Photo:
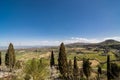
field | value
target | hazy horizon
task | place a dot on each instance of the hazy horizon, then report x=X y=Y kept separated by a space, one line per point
x=57 y=42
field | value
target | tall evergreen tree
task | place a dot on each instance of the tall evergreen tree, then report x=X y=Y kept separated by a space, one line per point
x=0 y=59
x=86 y=68
x=70 y=70
x=75 y=70
x=7 y=59
x=62 y=61
x=99 y=69
x=10 y=56
x=52 y=62
x=99 y=72
x=108 y=68
x=115 y=71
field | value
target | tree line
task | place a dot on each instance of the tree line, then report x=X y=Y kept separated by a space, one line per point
x=71 y=71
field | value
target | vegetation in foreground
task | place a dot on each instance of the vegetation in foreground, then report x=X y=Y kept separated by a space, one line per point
x=65 y=64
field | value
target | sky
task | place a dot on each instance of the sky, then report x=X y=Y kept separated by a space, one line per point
x=50 y=22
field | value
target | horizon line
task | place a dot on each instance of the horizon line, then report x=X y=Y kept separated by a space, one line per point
x=57 y=42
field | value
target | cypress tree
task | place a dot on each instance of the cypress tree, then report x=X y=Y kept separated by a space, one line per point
x=99 y=72
x=62 y=61
x=10 y=56
x=52 y=62
x=86 y=68
x=6 y=59
x=115 y=71
x=108 y=68
x=70 y=70
x=75 y=70
x=0 y=59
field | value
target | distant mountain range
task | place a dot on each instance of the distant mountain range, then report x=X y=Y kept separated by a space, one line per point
x=110 y=43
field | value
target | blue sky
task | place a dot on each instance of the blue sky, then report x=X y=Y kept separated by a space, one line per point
x=39 y=22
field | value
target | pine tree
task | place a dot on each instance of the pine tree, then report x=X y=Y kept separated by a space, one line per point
x=108 y=68
x=0 y=59
x=86 y=68
x=10 y=56
x=52 y=62
x=75 y=70
x=62 y=61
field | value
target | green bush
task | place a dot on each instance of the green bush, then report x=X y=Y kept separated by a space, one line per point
x=37 y=69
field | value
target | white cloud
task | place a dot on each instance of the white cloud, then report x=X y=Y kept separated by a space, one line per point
x=84 y=40
x=56 y=42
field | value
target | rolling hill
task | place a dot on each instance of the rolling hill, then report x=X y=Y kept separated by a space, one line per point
x=107 y=43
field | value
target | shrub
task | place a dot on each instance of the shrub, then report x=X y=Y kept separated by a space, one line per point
x=36 y=69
